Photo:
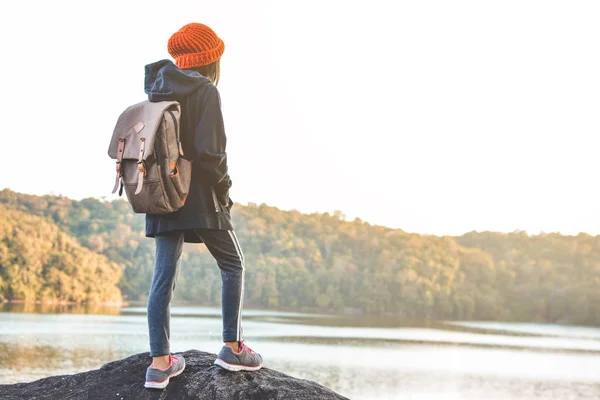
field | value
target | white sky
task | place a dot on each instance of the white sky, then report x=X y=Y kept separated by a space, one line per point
x=430 y=116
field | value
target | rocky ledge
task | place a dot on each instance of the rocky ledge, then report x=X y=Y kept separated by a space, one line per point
x=201 y=380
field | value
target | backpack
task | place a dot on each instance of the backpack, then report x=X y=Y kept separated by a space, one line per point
x=150 y=163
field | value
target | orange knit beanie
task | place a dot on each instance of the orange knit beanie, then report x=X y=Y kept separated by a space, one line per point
x=195 y=45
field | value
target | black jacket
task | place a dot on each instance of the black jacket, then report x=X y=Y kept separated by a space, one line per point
x=203 y=139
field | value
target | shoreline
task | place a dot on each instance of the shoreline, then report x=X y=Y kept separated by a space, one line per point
x=68 y=303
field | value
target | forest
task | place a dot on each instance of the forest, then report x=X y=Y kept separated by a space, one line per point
x=53 y=248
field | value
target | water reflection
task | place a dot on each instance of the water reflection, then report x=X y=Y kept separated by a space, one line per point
x=31 y=356
x=531 y=329
x=35 y=308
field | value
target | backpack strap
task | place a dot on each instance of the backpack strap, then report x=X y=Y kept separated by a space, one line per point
x=119 y=169
x=141 y=167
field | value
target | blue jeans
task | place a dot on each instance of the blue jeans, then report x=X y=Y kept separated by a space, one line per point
x=225 y=248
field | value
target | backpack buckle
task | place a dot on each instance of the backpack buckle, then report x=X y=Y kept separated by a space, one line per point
x=142 y=167
x=119 y=170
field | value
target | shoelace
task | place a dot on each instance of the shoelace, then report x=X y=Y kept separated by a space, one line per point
x=244 y=346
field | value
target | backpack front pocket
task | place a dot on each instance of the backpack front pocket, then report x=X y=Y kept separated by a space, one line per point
x=146 y=201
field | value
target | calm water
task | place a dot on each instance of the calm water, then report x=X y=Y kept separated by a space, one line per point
x=361 y=358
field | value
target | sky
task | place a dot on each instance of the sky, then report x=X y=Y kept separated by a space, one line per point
x=435 y=117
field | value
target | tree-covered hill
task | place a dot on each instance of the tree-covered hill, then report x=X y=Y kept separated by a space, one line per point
x=38 y=262
x=321 y=261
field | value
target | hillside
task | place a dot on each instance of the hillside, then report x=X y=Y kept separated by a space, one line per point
x=320 y=261
x=38 y=262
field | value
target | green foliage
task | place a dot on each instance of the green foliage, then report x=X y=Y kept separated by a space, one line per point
x=547 y=277
x=38 y=262
x=322 y=262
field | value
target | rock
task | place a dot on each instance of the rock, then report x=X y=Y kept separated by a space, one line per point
x=201 y=380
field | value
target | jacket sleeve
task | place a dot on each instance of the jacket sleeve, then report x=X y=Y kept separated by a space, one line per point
x=210 y=141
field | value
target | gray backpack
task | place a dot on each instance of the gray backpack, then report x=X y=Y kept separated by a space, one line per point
x=150 y=163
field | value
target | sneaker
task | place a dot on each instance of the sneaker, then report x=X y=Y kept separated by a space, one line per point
x=159 y=378
x=245 y=360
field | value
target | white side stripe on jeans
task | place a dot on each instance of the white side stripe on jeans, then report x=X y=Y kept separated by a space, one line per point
x=238 y=250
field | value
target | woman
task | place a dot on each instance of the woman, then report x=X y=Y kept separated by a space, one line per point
x=205 y=218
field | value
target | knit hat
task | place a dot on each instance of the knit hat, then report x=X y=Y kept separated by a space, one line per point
x=195 y=45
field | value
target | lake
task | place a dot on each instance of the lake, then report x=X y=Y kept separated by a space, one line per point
x=359 y=357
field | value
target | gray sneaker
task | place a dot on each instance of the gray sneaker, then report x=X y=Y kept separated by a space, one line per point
x=245 y=360
x=159 y=378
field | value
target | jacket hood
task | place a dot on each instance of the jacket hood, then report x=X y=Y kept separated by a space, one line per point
x=165 y=81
